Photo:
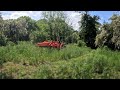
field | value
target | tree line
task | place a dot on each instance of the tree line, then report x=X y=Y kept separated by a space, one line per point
x=97 y=35
x=54 y=26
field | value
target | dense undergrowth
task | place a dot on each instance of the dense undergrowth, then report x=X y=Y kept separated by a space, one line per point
x=25 y=60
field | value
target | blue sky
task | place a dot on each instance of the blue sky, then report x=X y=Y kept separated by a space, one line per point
x=104 y=15
x=73 y=17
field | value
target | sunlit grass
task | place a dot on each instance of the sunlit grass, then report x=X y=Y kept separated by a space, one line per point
x=25 y=60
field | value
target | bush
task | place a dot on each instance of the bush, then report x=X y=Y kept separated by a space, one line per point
x=3 y=40
x=81 y=43
x=106 y=48
x=10 y=43
x=37 y=36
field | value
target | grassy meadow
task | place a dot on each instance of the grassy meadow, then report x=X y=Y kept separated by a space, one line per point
x=27 y=61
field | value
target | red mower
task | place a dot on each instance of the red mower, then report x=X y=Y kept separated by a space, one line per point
x=54 y=44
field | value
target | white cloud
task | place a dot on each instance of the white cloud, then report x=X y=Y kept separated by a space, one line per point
x=74 y=19
x=14 y=15
x=17 y=14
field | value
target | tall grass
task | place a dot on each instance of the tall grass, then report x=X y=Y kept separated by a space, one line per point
x=91 y=66
x=25 y=60
x=29 y=53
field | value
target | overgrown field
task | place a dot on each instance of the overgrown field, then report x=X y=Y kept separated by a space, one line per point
x=26 y=61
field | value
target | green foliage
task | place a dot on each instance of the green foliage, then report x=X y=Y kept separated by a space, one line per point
x=52 y=27
x=110 y=34
x=43 y=25
x=1 y=22
x=18 y=29
x=72 y=38
x=37 y=36
x=3 y=40
x=25 y=61
x=88 y=29
x=116 y=30
x=93 y=65
x=81 y=43
x=9 y=43
x=57 y=28
x=104 y=37
x=27 y=51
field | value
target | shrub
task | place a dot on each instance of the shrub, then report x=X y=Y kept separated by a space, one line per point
x=10 y=43
x=3 y=40
x=81 y=43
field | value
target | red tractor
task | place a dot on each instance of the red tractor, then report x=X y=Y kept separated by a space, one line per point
x=54 y=44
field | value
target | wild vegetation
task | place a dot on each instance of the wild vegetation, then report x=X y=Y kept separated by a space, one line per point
x=90 y=53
